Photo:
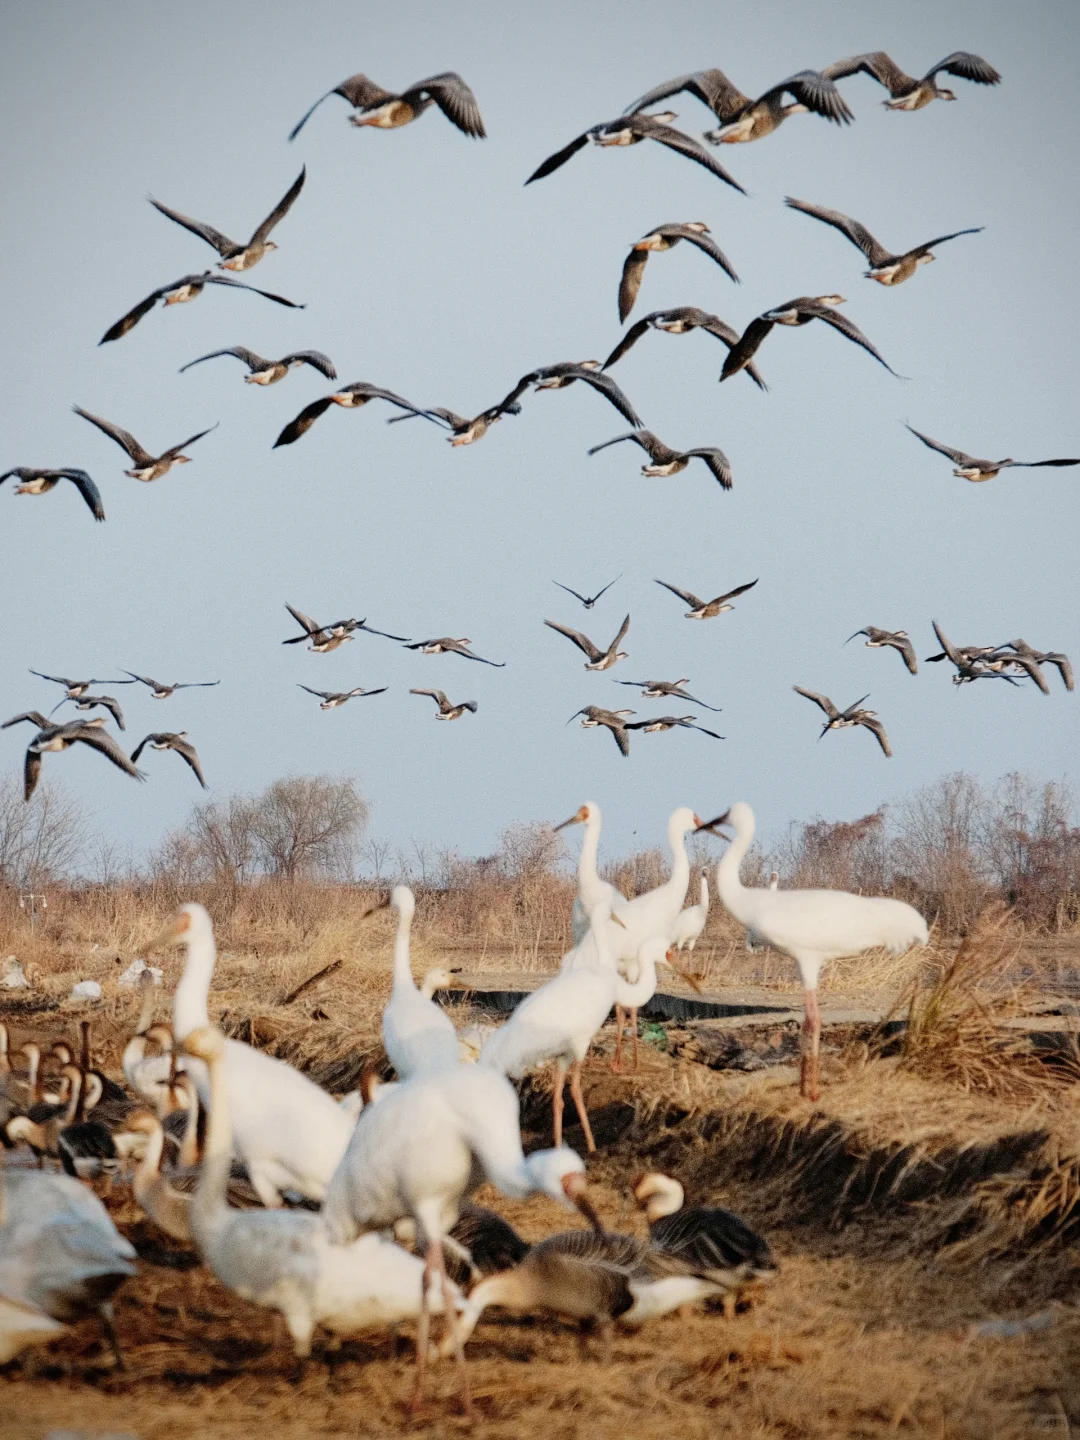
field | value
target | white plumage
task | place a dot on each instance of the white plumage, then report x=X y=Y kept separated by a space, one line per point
x=629 y=997
x=418 y=1036
x=691 y=922
x=591 y=890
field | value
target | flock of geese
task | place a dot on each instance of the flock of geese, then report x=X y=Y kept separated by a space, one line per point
x=353 y=1212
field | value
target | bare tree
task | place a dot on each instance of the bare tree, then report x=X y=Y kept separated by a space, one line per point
x=308 y=826
x=39 y=841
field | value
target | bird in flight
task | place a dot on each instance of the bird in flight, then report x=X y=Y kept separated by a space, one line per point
x=333 y=699
x=631 y=130
x=796 y=312
x=596 y=717
x=383 y=110
x=661 y=689
x=445 y=645
x=597 y=659
x=463 y=430
x=40 y=482
x=162 y=692
x=188 y=287
x=896 y=639
x=587 y=600
x=661 y=723
x=237 y=255
x=707 y=609
x=62 y=737
x=557 y=377
x=350 y=397
x=743 y=119
x=885 y=267
x=77 y=688
x=96 y=702
x=666 y=237
x=325 y=638
x=679 y=322
x=268 y=372
x=666 y=461
x=906 y=92
x=447 y=710
x=166 y=740
x=843 y=719
x=968 y=468
x=145 y=466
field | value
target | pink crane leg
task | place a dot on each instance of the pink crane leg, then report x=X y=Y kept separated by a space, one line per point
x=557 y=1102
x=579 y=1102
x=811 y=1037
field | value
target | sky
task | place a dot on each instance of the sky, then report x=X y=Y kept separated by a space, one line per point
x=427 y=267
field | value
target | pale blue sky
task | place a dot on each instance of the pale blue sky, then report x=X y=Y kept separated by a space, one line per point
x=429 y=269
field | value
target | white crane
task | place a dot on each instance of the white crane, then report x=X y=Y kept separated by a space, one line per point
x=591 y=890
x=691 y=921
x=558 y=1021
x=284 y=1259
x=421 y=1151
x=629 y=997
x=417 y=1034
x=289 y=1133
x=812 y=926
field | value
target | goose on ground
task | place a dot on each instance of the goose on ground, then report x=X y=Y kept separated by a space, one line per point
x=557 y=377
x=40 y=482
x=162 y=692
x=144 y=465
x=38 y=1124
x=796 y=312
x=188 y=287
x=349 y=397
x=910 y=94
x=596 y=659
x=661 y=689
x=169 y=740
x=237 y=255
x=680 y=321
x=325 y=638
x=148 y=1074
x=707 y=609
x=333 y=699
x=898 y=640
x=447 y=645
x=446 y=709
x=631 y=130
x=885 y=267
x=62 y=737
x=844 y=719
x=87 y=1145
x=691 y=920
x=382 y=109
x=587 y=600
x=76 y=689
x=596 y=717
x=723 y=1245
x=968 y=468
x=665 y=237
x=95 y=702
x=659 y=724
x=741 y=118
x=268 y=372
x=666 y=461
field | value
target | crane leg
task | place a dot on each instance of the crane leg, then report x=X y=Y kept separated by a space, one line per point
x=423 y=1328
x=579 y=1102
x=634 y=1029
x=455 y=1335
x=809 y=1086
x=557 y=1103
x=620 y=1020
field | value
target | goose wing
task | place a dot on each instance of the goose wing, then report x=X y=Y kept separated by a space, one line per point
x=607 y=387
x=316 y=359
x=951 y=653
x=739 y=590
x=113 y=706
x=281 y=209
x=102 y=741
x=635 y=435
x=87 y=489
x=250 y=359
x=438 y=696
x=455 y=99
x=634 y=334
x=929 y=244
x=633 y=271
x=31 y=772
x=907 y=650
x=687 y=595
x=358 y=90
x=581 y=641
x=123 y=438
x=746 y=347
x=822 y=701
x=266 y=294
x=305 y=621
x=958 y=457
x=708 y=246
x=1064 y=668
x=1032 y=669
x=605 y=589
x=714 y=1241
x=711 y=87
x=858 y=234
x=135 y=314
x=221 y=243
x=176 y=449
x=717 y=462
x=817 y=92
x=187 y=751
x=554 y=162
x=877 y=729
x=303 y=422
x=876 y=64
x=850 y=331
x=966 y=66
x=322 y=694
x=1039 y=464
x=575 y=593
x=685 y=145
x=34 y=716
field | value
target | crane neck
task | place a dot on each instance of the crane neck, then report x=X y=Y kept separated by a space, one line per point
x=705 y=893
x=403 y=976
x=675 y=885
x=150 y=1165
x=208 y=1205
x=189 y=1003
x=729 y=888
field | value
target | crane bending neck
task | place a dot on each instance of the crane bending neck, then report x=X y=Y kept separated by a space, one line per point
x=732 y=893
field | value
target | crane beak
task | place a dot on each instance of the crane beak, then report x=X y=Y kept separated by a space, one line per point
x=620 y=923
x=173 y=933
x=711 y=825
x=682 y=974
x=575 y=1189
x=578 y=818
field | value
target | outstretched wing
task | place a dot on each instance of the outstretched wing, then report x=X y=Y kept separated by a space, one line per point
x=850 y=331
x=188 y=752
x=250 y=359
x=581 y=641
x=693 y=150
x=113 y=708
x=956 y=456
x=611 y=392
x=266 y=294
x=322 y=694
x=709 y=246
x=303 y=422
x=604 y=591
x=858 y=234
x=633 y=271
x=88 y=490
x=437 y=695
x=877 y=729
x=966 y=66
x=907 y=650
x=358 y=90
x=131 y=319
x=822 y=701
x=946 y=644
x=103 y=742
x=746 y=347
x=281 y=209
x=123 y=438
x=739 y=590
x=316 y=359
x=876 y=64
x=717 y=462
x=817 y=92
x=1039 y=464
x=455 y=99
x=34 y=716
x=575 y=593
x=1031 y=667
x=554 y=162
x=711 y=87
x=634 y=334
x=176 y=449
x=929 y=244
x=687 y=595
x=221 y=243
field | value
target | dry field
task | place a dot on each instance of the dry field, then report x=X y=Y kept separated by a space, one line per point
x=923 y=1212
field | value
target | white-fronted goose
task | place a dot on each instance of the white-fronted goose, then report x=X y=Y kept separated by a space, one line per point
x=62 y=737
x=631 y=130
x=75 y=689
x=885 y=267
x=145 y=466
x=665 y=237
x=666 y=461
x=334 y=699
x=596 y=717
x=661 y=689
x=972 y=662
x=587 y=600
x=384 y=110
x=349 y=397
x=463 y=430
x=269 y=372
x=796 y=312
x=557 y=377
x=707 y=609
x=910 y=94
x=40 y=482
x=1046 y=657
x=166 y=740
x=325 y=638
x=446 y=645
x=96 y=702
x=844 y=719
x=447 y=710
x=234 y=254
x=679 y=322
x=742 y=119
x=597 y=659
x=158 y=691
x=188 y=287
x=659 y=724
x=968 y=468
x=896 y=639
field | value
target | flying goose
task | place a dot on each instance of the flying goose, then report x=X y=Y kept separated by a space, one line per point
x=332 y=699
x=885 y=267
x=665 y=237
x=94 y=702
x=557 y=377
x=587 y=600
x=325 y=638
x=661 y=723
x=40 y=482
x=909 y=94
x=62 y=737
x=678 y=322
x=350 y=397
x=631 y=130
x=166 y=740
x=843 y=719
x=597 y=659
x=972 y=662
x=707 y=609
x=968 y=468
x=447 y=711
x=742 y=119
x=1046 y=657
x=386 y=111
x=666 y=461
x=188 y=287
x=162 y=692
x=234 y=255
x=796 y=312
x=660 y=689
x=463 y=430
x=145 y=466
x=597 y=717
x=445 y=645
x=77 y=688
x=269 y=372
x=897 y=639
